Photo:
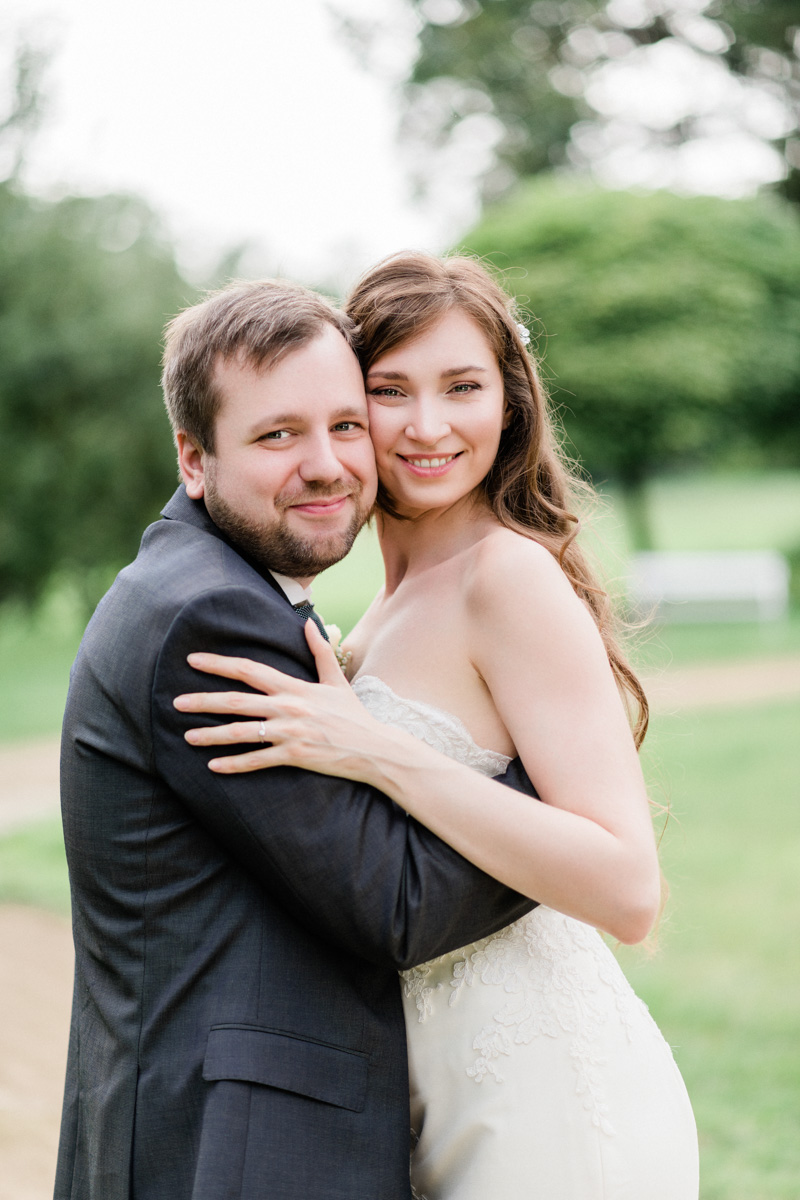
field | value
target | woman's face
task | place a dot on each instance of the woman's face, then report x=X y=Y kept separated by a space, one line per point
x=436 y=412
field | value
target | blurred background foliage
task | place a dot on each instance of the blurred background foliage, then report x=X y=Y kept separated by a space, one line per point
x=87 y=286
x=669 y=326
x=532 y=67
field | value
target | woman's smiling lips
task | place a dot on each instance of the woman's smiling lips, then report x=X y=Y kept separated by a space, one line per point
x=428 y=465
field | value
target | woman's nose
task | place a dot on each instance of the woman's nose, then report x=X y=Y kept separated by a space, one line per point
x=428 y=424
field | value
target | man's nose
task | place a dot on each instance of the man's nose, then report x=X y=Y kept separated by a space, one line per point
x=320 y=463
x=428 y=423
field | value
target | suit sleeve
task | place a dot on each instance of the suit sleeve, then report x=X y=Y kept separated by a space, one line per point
x=340 y=856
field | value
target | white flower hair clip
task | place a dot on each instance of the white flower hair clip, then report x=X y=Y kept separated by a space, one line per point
x=524 y=333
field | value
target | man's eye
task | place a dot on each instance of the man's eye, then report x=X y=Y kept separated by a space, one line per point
x=347 y=426
x=275 y=435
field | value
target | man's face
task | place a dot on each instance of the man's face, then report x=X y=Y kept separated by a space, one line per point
x=292 y=477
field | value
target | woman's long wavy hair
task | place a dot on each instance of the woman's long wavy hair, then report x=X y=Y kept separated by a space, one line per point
x=531 y=488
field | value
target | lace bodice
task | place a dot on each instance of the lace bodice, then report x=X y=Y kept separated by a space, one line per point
x=438 y=728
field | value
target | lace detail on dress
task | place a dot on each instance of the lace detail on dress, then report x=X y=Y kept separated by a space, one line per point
x=438 y=728
x=552 y=991
x=558 y=978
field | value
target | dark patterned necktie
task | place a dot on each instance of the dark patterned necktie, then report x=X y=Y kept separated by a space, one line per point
x=305 y=610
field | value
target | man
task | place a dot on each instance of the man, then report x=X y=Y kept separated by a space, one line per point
x=237 y=1031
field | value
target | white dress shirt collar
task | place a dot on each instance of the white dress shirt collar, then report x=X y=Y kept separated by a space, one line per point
x=295 y=592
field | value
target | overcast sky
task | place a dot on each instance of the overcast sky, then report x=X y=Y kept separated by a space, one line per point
x=244 y=121
x=252 y=121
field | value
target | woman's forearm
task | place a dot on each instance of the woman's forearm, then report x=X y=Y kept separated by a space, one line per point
x=557 y=857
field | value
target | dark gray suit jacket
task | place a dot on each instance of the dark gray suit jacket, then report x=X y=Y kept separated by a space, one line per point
x=237 y=1031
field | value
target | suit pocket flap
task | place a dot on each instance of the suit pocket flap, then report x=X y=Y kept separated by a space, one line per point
x=285 y=1061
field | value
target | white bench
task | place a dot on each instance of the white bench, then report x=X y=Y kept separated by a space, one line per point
x=718 y=585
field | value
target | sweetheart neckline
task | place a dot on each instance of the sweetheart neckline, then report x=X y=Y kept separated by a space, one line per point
x=423 y=707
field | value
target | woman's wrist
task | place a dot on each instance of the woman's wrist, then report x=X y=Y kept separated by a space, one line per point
x=406 y=769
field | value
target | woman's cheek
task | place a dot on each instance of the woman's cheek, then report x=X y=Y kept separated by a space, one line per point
x=382 y=429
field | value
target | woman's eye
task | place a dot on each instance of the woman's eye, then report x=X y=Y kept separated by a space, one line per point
x=388 y=392
x=462 y=389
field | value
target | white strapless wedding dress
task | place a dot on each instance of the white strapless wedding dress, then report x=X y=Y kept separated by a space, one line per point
x=535 y=1071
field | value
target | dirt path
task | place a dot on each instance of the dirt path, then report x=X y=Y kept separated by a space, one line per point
x=724 y=685
x=28 y=782
x=36 y=948
x=35 y=995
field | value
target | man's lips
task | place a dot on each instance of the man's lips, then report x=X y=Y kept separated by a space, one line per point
x=430 y=465
x=324 y=506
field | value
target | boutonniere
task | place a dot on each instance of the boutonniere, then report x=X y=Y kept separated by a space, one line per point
x=342 y=656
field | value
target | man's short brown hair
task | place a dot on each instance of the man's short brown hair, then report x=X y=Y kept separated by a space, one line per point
x=257 y=321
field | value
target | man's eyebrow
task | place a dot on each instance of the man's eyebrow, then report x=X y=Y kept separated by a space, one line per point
x=400 y=377
x=351 y=412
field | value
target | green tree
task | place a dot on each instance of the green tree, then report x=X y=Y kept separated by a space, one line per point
x=529 y=64
x=667 y=325
x=87 y=285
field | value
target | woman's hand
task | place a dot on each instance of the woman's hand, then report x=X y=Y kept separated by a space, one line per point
x=319 y=726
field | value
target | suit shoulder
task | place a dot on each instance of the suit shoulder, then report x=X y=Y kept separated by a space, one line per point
x=180 y=574
x=177 y=562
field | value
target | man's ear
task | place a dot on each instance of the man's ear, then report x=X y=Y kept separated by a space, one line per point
x=191 y=463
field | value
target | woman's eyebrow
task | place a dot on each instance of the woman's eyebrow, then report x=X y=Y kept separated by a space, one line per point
x=463 y=371
x=450 y=371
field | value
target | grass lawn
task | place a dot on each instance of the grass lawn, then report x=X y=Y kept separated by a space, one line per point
x=33 y=867
x=725 y=510
x=660 y=646
x=36 y=653
x=724 y=982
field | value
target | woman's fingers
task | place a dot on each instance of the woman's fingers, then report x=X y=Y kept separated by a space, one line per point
x=246 y=704
x=226 y=735
x=246 y=670
x=328 y=669
x=254 y=760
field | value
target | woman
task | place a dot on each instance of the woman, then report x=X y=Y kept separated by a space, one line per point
x=534 y=1069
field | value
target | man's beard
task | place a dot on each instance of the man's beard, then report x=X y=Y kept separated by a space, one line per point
x=272 y=546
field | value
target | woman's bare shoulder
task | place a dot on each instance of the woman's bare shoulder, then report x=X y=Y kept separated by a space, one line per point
x=505 y=563
x=517 y=593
